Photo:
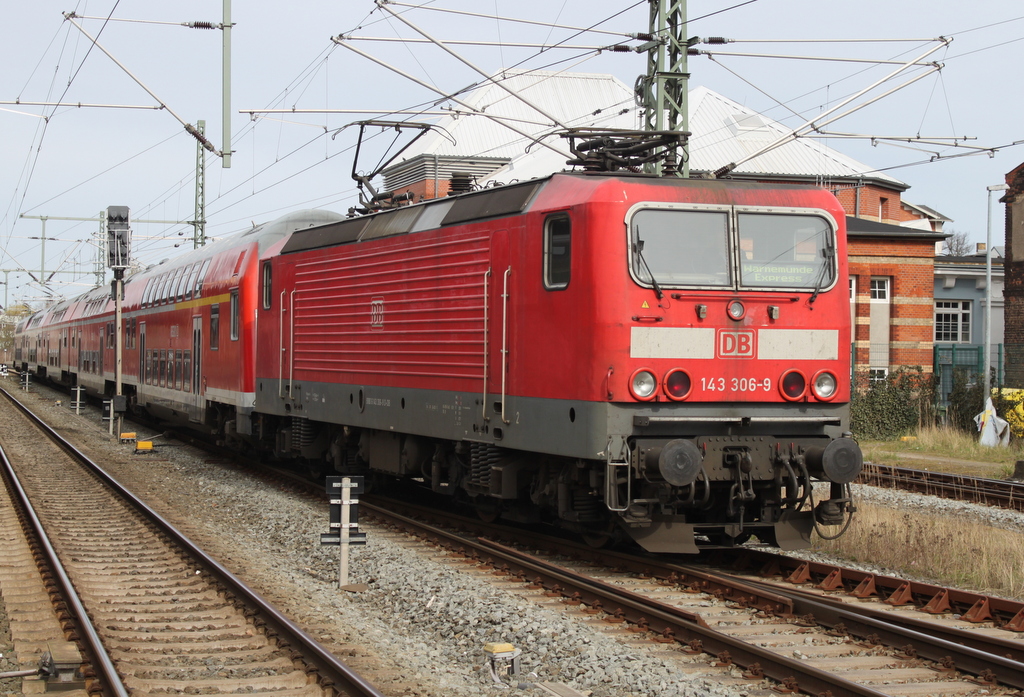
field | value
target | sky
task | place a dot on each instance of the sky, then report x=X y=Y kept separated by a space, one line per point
x=74 y=162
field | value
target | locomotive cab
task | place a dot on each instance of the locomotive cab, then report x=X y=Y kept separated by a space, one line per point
x=733 y=399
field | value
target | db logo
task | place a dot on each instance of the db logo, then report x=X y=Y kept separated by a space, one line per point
x=376 y=313
x=736 y=343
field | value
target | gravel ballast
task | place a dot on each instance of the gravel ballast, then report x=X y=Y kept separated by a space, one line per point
x=421 y=620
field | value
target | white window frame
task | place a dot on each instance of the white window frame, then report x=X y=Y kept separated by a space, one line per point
x=960 y=309
x=886 y=289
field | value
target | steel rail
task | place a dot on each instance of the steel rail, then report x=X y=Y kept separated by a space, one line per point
x=675 y=624
x=971 y=652
x=831 y=611
x=920 y=642
x=723 y=587
x=97 y=656
x=962 y=487
x=334 y=673
x=927 y=597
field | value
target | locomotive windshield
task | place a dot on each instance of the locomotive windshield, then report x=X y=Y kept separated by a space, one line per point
x=681 y=248
x=673 y=248
x=785 y=251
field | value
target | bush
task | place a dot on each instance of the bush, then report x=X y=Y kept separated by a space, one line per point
x=967 y=400
x=893 y=407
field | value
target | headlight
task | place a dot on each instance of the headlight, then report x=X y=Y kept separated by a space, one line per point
x=643 y=384
x=736 y=310
x=677 y=384
x=825 y=386
x=792 y=385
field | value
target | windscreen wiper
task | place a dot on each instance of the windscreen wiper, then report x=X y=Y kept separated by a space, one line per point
x=638 y=249
x=829 y=253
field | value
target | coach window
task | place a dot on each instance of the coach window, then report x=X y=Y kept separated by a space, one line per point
x=235 y=311
x=557 y=251
x=215 y=326
x=201 y=278
x=267 y=285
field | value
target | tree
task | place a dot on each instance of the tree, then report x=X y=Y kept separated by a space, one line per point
x=958 y=244
x=8 y=319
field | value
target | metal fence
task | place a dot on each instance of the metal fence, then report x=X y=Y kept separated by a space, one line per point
x=968 y=358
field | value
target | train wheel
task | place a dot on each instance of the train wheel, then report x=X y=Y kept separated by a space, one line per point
x=487 y=509
x=601 y=535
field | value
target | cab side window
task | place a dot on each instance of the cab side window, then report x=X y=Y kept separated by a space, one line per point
x=557 y=251
x=267 y=285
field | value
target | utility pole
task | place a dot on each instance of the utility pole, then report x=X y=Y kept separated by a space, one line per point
x=199 y=223
x=663 y=90
x=226 y=86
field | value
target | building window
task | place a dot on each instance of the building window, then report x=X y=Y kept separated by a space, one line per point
x=880 y=290
x=878 y=374
x=557 y=252
x=953 y=321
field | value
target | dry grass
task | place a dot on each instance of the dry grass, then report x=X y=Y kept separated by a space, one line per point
x=946 y=450
x=950 y=552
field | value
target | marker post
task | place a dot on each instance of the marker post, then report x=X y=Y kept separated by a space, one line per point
x=341 y=492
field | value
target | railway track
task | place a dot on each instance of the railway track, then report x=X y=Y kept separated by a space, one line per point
x=990 y=492
x=755 y=615
x=170 y=618
x=810 y=640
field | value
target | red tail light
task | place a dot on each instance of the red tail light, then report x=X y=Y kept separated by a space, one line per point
x=793 y=385
x=677 y=385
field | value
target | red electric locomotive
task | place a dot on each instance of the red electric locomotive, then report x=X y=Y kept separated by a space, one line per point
x=665 y=358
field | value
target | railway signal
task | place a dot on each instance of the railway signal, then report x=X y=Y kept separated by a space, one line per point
x=119 y=242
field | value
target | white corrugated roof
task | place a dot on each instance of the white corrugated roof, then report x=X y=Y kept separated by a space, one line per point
x=723 y=131
x=573 y=99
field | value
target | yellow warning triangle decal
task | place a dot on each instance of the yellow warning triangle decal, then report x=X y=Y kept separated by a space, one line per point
x=645 y=305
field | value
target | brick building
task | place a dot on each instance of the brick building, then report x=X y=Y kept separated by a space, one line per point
x=1013 y=269
x=892 y=243
x=892 y=286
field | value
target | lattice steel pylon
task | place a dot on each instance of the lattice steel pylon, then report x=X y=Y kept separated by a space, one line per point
x=199 y=220
x=662 y=91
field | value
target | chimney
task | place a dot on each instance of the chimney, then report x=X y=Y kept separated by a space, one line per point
x=980 y=248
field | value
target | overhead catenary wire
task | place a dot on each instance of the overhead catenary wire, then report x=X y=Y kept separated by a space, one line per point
x=70 y=16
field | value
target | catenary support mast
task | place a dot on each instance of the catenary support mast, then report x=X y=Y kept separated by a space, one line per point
x=662 y=91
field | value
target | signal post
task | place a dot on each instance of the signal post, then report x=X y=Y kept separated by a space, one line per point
x=119 y=239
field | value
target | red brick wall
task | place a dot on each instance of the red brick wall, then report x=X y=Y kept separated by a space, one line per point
x=909 y=264
x=425 y=189
x=871 y=204
x=1013 y=268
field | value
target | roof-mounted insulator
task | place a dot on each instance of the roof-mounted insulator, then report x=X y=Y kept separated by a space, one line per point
x=460 y=183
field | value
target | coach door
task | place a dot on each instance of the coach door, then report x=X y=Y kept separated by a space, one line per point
x=142 y=357
x=197 y=398
x=497 y=332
